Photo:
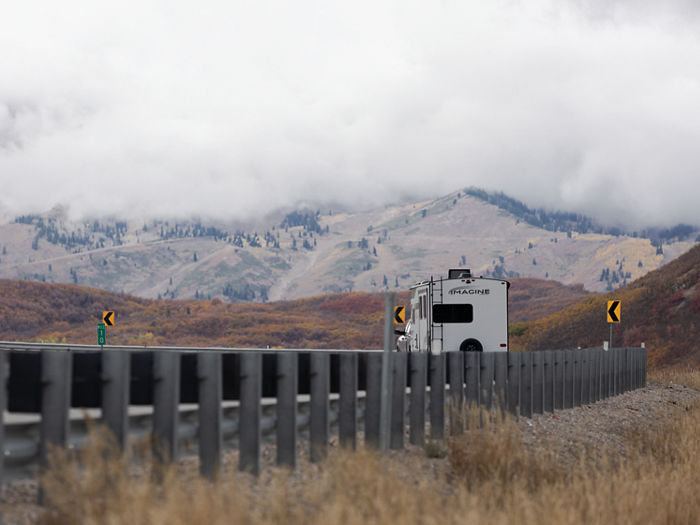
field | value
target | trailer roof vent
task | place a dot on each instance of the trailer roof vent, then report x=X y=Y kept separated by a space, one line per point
x=459 y=273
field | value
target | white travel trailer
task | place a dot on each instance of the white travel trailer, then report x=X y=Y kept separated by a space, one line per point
x=460 y=313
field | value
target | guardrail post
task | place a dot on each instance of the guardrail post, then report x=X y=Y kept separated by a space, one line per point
x=250 y=412
x=514 y=382
x=569 y=379
x=640 y=369
x=585 y=377
x=631 y=354
x=578 y=365
x=398 y=412
x=418 y=365
x=320 y=390
x=116 y=376
x=548 y=364
x=592 y=375
x=605 y=389
x=640 y=354
x=437 y=396
x=387 y=374
x=595 y=380
x=632 y=364
x=472 y=371
x=3 y=407
x=210 y=397
x=537 y=382
x=56 y=378
x=347 y=426
x=595 y=385
x=603 y=374
x=486 y=362
x=500 y=379
x=644 y=367
x=559 y=358
x=630 y=367
x=610 y=373
x=287 y=391
x=603 y=380
x=456 y=367
x=373 y=399
x=526 y=384
x=166 y=398
x=623 y=370
x=603 y=367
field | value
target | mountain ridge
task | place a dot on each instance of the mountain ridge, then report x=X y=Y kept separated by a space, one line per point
x=310 y=252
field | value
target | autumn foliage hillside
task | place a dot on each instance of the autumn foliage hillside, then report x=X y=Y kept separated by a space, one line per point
x=33 y=311
x=661 y=309
x=531 y=299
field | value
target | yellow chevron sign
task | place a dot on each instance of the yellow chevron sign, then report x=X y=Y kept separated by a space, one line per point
x=108 y=318
x=614 y=311
x=399 y=314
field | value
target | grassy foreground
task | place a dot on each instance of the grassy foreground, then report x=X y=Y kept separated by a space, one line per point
x=488 y=477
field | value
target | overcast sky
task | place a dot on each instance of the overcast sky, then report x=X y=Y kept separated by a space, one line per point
x=231 y=108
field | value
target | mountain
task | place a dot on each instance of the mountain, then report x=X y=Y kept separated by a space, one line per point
x=661 y=309
x=304 y=253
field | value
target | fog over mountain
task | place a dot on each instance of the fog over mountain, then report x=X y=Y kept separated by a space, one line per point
x=230 y=109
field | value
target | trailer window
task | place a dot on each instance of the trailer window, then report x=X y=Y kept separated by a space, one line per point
x=453 y=313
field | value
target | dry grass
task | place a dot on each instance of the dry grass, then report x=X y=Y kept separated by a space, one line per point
x=493 y=454
x=359 y=487
x=679 y=376
x=488 y=477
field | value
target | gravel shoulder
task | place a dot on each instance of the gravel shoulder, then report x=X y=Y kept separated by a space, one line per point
x=606 y=424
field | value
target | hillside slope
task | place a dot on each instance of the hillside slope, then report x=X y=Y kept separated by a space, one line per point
x=70 y=313
x=661 y=309
x=66 y=312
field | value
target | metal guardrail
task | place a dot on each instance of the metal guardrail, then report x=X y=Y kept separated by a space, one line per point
x=522 y=383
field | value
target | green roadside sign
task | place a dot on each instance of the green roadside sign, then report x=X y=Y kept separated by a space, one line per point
x=101 y=334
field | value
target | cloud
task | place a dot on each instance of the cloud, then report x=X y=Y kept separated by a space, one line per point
x=228 y=109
